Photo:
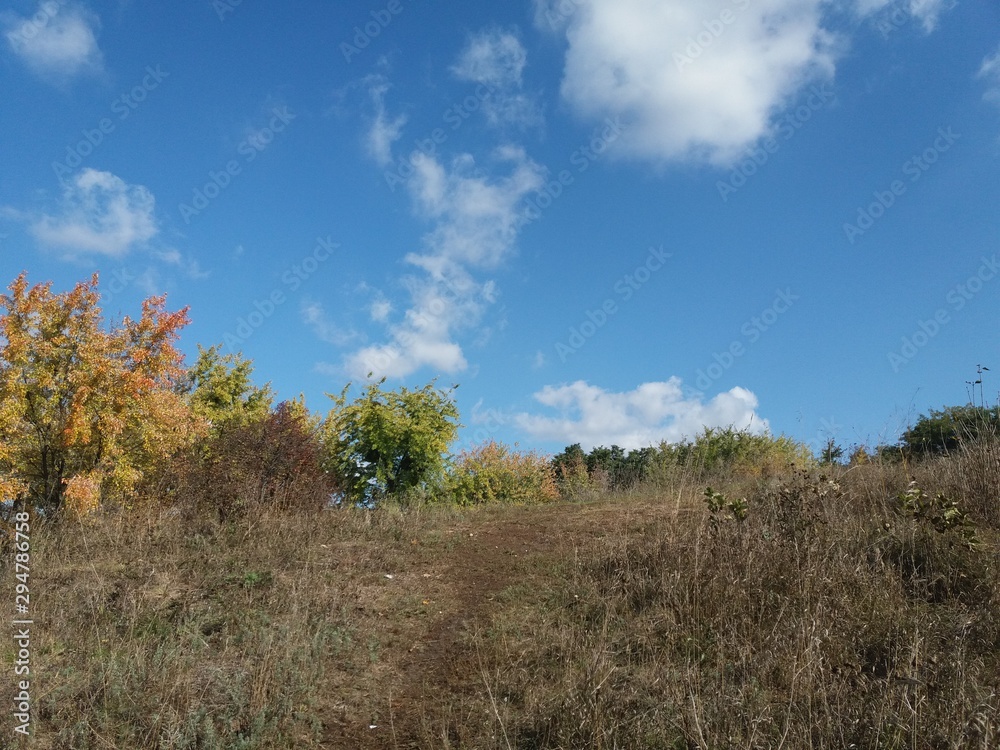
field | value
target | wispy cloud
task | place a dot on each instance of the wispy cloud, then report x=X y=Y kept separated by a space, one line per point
x=98 y=213
x=927 y=12
x=990 y=72
x=380 y=310
x=496 y=60
x=384 y=130
x=314 y=316
x=57 y=41
x=650 y=413
x=475 y=228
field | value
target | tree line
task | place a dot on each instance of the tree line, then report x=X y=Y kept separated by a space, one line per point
x=97 y=414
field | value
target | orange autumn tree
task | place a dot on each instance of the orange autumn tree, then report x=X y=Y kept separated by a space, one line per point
x=84 y=409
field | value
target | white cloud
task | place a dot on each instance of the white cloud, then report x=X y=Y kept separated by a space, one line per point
x=314 y=316
x=496 y=59
x=380 y=309
x=493 y=57
x=476 y=220
x=927 y=12
x=695 y=80
x=990 y=71
x=57 y=40
x=384 y=132
x=650 y=413
x=700 y=81
x=190 y=266
x=99 y=213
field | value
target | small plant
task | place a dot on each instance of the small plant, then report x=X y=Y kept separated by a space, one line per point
x=831 y=453
x=939 y=512
x=719 y=503
x=251 y=579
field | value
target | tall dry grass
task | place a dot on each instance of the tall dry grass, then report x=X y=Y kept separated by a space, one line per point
x=829 y=617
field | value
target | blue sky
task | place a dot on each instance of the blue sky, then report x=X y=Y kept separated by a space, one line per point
x=609 y=221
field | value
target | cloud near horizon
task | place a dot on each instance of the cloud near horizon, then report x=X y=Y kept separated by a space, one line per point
x=650 y=413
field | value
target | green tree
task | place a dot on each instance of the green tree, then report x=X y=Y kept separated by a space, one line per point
x=570 y=469
x=385 y=443
x=831 y=452
x=220 y=389
x=945 y=430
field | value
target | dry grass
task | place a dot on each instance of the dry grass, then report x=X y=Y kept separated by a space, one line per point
x=826 y=619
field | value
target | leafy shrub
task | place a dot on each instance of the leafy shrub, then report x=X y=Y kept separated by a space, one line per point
x=387 y=443
x=945 y=430
x=274 y=462
x=570 y=471
x=493 y=473
x=739 y=451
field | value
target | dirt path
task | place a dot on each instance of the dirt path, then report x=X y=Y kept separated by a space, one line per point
x=484 y=556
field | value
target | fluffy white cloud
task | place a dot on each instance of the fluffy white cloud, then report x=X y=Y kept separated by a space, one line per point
x=58 y=40
x=694 y=80
x=699 y=81
x=99 y=213
x=645 y=416
x=990 y=72
x=496 y=60
x=475 y=220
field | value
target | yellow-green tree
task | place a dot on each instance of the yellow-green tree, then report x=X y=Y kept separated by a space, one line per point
x=385 y=443
x=493 y=473
x=220 y=389
x=85 y=408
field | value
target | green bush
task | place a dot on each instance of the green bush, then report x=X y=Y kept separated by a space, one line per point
x=493 y=473
x=739 y=451
x=389 y=443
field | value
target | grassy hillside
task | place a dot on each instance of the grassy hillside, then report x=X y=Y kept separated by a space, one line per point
x=827 y=610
